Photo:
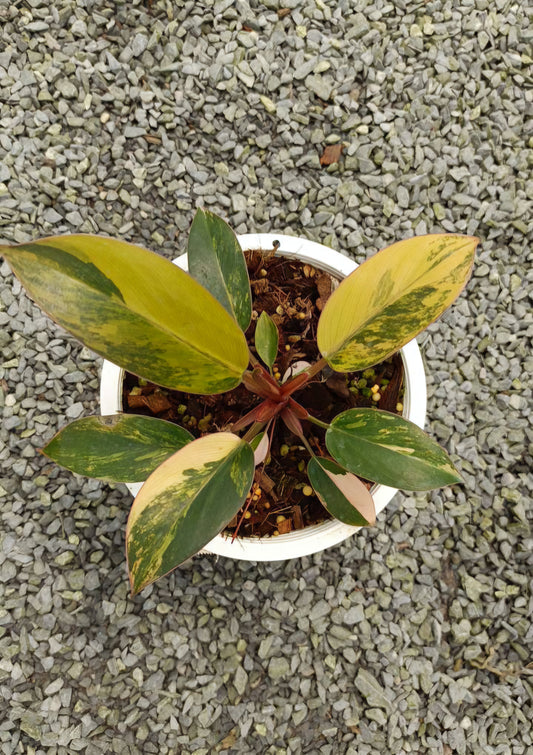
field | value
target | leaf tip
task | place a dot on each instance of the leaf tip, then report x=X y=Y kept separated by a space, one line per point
x=459 y=479
x=200 y=212
x=135 y=588
x=474 y=242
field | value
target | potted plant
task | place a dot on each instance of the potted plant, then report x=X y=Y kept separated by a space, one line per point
x=302 y=541
x=186 y=332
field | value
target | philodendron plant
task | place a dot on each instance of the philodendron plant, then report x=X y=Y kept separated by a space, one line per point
x=186 y=331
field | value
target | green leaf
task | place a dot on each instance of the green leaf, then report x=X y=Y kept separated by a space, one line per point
x=188 y=500
x=388 y=449
x=134 y=308
x=217 y=262
x=266 y=339
x=117 y=448
x=392 y=297
x=341 y=493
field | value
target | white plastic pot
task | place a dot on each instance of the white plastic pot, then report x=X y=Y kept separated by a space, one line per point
x=317 y=537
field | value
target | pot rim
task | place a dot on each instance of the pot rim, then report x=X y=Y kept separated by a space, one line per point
x=316 y=537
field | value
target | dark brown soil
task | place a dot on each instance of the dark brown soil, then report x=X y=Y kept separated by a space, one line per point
x=293 y=294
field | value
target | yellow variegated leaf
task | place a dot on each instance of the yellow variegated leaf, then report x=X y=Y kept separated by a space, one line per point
x=392 y=297
x=135 y=308
x=186 y=502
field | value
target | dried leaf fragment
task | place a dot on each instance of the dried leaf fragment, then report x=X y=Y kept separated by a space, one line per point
x=323 y=285
x=331 y=154
x=229 y=740
x=157 y=402
x=152 y=139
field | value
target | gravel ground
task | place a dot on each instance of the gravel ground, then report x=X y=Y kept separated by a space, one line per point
x=412 y=637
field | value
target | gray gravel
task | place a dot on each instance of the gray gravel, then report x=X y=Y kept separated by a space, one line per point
x=415 y=636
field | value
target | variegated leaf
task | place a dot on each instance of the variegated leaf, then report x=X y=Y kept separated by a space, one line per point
x=388 y=449
x=136 y=309
x=392 y=297
x=217 y=262
x=117 y=448
x=341 y=493
x=186 y=502
x=260 y=446
x=266 y=339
